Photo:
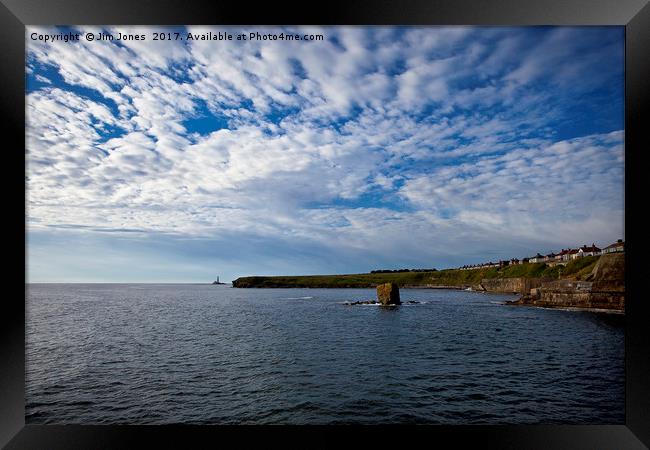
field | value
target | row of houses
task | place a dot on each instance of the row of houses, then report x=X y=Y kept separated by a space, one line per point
x=552 y=259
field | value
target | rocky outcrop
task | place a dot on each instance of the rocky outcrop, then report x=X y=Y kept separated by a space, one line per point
x=373 y=302
x=388 y=294
x=361 y=302
x=609 y=268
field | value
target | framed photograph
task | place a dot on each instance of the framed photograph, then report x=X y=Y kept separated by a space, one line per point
x=368 y=220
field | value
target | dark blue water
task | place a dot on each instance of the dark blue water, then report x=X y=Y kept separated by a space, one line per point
x=156 y=354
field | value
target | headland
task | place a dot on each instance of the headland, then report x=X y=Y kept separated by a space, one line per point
x=593 y=282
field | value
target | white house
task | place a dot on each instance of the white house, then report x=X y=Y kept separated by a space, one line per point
x=570 y=254
x=618 y=246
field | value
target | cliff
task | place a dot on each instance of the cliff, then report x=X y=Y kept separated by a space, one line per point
x=447 y=278
x=519 y=285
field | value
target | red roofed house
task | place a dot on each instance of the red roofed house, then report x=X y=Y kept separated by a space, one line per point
x=588 y=251
x=561 y=256
x=618 y=246
x=570 y=254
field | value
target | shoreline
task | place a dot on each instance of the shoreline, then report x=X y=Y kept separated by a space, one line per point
x=590 y=283
x=620 y=312
x=450 y=288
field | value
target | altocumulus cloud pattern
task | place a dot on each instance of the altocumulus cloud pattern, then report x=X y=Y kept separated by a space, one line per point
x=378 y=145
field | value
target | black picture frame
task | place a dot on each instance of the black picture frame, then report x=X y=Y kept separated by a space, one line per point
x=633 y=14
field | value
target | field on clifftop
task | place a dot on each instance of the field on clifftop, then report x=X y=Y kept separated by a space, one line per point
x=577 y=269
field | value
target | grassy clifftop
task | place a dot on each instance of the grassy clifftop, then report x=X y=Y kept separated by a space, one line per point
x=577 y=269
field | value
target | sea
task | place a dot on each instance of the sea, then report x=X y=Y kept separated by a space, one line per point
x=213 y=354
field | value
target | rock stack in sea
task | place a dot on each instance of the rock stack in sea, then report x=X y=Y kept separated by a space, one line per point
x=388 y=294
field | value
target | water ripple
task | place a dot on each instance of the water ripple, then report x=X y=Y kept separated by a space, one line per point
x=161 y=354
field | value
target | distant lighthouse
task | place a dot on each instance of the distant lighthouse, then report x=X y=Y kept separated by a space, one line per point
x=217 y=282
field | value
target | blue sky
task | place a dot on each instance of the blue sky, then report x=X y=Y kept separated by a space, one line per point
x=378 y=147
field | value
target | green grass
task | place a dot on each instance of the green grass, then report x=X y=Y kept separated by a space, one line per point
x=353 y=280
x=448 y=277
x=580 y=268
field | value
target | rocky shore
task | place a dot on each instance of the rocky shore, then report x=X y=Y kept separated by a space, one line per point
x=604 y=289
x=594 y=282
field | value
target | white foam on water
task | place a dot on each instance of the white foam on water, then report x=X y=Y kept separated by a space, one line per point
x=577 y=309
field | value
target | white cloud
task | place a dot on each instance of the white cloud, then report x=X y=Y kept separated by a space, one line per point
x=315 y=130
